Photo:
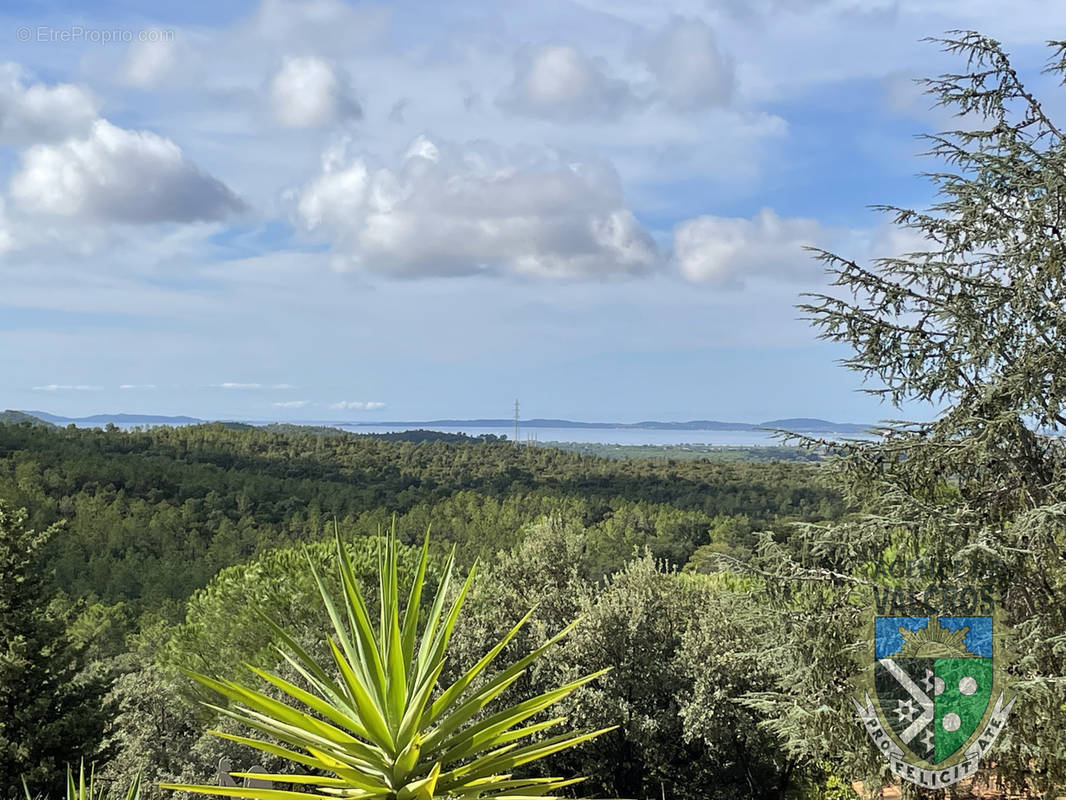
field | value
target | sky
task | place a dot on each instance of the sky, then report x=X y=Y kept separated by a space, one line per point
x=320 y=210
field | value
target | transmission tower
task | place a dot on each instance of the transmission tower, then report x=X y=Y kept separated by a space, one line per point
x=516 y=421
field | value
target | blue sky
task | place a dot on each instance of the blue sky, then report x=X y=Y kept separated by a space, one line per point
x=314 y=209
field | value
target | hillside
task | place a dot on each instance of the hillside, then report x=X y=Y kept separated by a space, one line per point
x=134 y=503
x=10 y=417
x=116 y=419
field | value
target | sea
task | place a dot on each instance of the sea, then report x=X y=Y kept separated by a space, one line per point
x=624 y=436
x=620 y=436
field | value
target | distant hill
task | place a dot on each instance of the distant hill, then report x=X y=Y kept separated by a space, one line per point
x=794 y=424
x=117 y=419
x=10 y=417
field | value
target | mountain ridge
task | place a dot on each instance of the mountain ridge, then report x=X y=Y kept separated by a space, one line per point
x=120 y=418
x=793 y=424
x=11 y=417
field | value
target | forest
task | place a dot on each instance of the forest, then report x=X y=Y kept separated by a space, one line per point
x=166 y=540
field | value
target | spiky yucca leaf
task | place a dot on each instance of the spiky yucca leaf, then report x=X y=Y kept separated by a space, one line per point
x=87 y=790
x=376 y=720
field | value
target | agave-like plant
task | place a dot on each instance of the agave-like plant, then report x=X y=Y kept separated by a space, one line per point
x=82 y=790
x=375 y=720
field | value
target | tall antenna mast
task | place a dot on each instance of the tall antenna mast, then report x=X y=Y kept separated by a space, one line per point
x=516 y=421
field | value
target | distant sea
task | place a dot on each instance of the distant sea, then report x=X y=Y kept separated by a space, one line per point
x=630 y=436
x=625 y=436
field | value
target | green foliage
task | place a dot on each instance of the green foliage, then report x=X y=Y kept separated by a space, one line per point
x=723 y=657
x=677 y=681
x=50 y=711
x=10 y=417
x=676 y=644
x=88 y=790
x=383 y=729
x=137 y=502
x=156 y=733
x=224 y=630
x=977 y=497
x=688 y=452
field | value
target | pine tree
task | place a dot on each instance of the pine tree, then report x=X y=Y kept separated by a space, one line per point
x=51 y=714
x=974 y=323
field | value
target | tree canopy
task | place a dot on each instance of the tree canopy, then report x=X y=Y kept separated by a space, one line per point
x=51 y=714
x=975 y=323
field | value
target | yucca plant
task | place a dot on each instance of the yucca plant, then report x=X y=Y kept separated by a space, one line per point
x=375 y=721
x=87 y=790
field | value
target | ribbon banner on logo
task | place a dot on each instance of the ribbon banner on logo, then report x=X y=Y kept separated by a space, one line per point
x=932 y=778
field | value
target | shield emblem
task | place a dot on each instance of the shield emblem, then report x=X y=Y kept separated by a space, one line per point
x=934 y=680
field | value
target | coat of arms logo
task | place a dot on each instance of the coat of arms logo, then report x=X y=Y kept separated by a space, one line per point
x=933 y=698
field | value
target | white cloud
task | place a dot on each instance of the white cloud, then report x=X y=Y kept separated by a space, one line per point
x=253 y=386
x=34 y=112
x=727 y=250
x=226 y=64
x=459 y=211
x=117 y=175
x=138 y=386
x=66 y=387
x=7 y=238
x=690 y=71
x=357 y=405
x=560 y=82
x=308 y=92
x=292 y=404
x=148 y=63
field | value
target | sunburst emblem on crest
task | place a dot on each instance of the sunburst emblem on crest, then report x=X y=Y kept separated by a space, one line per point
x=934 y=641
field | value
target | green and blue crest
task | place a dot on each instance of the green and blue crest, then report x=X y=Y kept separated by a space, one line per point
x=933 y=697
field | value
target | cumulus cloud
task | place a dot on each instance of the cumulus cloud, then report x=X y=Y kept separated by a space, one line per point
x=689 y=70
x=137 y=386
x=67 y=387
x=726 y=250
x=118 y=175
x=358 y=405
x=560 y=82
x=34 y=112
x=292 y=404
x=308 y=91
x=458 y=211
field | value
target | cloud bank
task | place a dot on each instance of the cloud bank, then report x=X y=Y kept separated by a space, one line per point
x=447 y=211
